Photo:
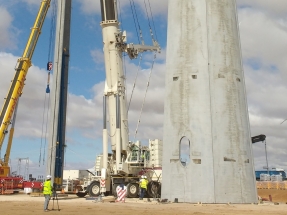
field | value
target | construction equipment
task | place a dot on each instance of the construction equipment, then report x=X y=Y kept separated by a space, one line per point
x=128 y=159
x=17 y=85
x=59 y=95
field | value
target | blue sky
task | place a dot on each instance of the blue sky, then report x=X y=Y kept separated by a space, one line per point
x=263 y=29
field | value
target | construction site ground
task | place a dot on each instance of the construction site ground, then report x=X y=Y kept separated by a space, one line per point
x=24 y=204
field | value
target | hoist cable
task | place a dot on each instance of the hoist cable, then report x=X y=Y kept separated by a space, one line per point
x=52 y=31
x=148 y=18
x=42 y=129
x=152 y=20
x=136 y=14
x=147 y=14
x=124 y=67
x=51 y=39
x=141 y=35
x=120 y=13
x=134 y=84
x=140 y=30
x=143 y=103
x=135 y=21
x=46 y=130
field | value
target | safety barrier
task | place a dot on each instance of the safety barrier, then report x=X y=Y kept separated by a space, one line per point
x=278 y=185
x=121 y=194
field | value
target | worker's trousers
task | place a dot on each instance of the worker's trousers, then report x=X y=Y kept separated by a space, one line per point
x=47 y=199
x=143 y=190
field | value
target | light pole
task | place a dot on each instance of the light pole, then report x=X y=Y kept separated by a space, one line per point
x=266 y=157
x=261 y=138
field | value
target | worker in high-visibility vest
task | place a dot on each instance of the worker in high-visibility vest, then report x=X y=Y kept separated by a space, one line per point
x=143 y=186
x=47 y=191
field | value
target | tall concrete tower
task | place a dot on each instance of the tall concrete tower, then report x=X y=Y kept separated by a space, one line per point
x=206 y=116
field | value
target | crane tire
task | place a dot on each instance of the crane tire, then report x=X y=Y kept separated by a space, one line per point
x=94 y=188
x=132 y=190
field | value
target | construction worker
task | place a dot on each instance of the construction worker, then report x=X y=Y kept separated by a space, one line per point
x=142 y=157
x=143 y=186
x=47 y=191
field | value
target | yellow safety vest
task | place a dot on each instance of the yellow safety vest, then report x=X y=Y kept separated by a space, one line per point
x=144 y=183
x=47 y=188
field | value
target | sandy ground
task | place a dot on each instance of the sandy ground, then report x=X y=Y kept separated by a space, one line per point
x=24 y=204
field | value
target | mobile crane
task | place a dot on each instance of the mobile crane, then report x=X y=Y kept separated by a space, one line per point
x=128 y=160
x=17 y=85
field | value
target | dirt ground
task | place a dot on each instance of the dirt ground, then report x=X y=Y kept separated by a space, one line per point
x=23 y=204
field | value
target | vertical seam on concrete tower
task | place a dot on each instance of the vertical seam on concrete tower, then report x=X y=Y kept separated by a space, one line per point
x=235 y=10
x=211 y=129
x=245 y=97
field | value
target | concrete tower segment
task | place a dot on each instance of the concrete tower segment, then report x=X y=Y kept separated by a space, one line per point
x=205 y=104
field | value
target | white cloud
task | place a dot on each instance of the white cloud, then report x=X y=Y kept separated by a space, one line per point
x=276 y=8
x=31 y=104
x=98 y=56
x=7 y=36
x=263 y=37
x=32 y=2
x=158 y=7
x=90 y=6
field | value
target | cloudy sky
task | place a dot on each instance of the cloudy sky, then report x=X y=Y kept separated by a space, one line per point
x=263 y=29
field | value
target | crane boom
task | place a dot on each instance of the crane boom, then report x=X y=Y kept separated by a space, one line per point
x=115 y=43
x=21 y=70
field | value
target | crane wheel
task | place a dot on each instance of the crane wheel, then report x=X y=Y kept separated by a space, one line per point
x=132 y=190
x=94 y=188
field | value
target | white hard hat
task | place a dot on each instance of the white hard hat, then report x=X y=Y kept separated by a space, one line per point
x=48 y=176
x=145 y=176
x=142 y=176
